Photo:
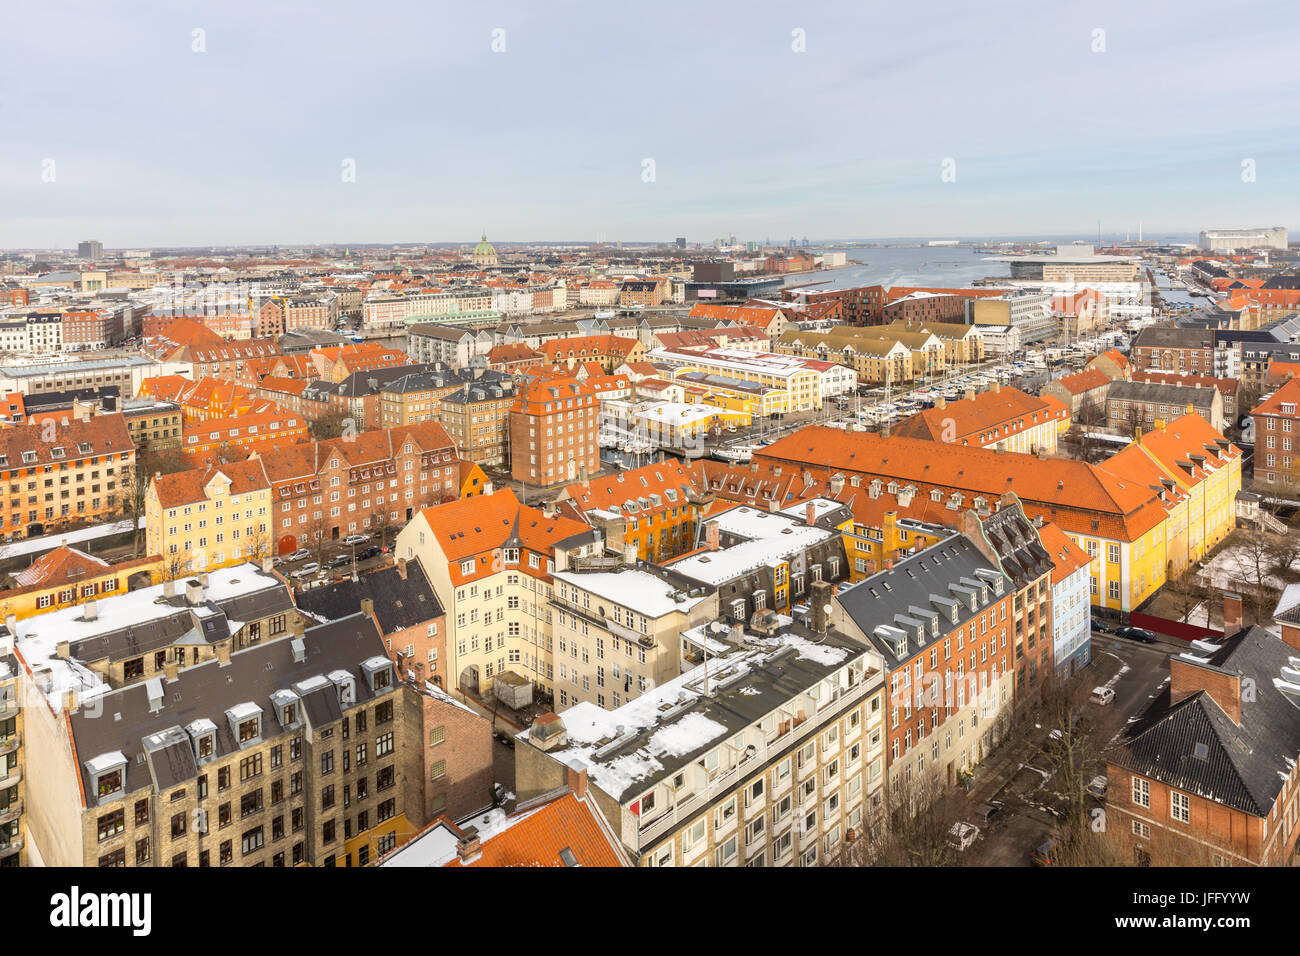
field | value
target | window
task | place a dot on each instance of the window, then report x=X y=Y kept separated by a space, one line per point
x=1142 y=792
x=110 y=825
x=384 y=744
x=250 y=767
x=437 y=735
x=252 y=841
x=437 y=770
x=1180 y=807
x=383 y=714
x=1141 y=829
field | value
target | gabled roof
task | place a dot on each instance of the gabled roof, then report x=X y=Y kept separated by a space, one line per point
x=60 y=566
x=1243 y=766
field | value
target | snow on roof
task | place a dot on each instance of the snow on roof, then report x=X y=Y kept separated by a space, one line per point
x=1206 y=646
x=106 y=761
x=440 y=694
x=243 y=711
x=437 y=846
x=767 y=536
x=37 y=638
x=821 y=506
x=643 y=592
x=825 y=654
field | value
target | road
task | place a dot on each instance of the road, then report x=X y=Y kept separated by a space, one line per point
x=1137 y=673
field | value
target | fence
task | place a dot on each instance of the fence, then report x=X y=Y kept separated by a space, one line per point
x=1171 y=628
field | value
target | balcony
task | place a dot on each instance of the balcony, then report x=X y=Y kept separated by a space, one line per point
x=9 y=744
x=11 y=813
x=8 y=707
x=11 y=778
x=10 y=845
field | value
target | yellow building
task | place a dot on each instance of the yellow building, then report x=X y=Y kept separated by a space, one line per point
x=209 y=518
x=66 y=576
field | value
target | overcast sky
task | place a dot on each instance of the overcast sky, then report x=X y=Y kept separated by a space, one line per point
x=150 y=143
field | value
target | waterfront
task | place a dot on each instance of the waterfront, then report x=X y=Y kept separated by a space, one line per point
x=936 y=266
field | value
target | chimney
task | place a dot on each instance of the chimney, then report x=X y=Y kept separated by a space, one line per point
x=629 y=553
x=368 y=606
x=837 y=484
x=997 y=387
x=577 y=777
x=1231 y=614
x=970 y=394
x=467 y=848
x=401 y=568
x=582 y=473
x=194 y=592
x=548 y=732
x=819 y=600
x=172 y=668
x=941 y=402
x=223 y=653
x=203 y=578
x=169 y=589
x=711 y=535
x=70 y=701
x=810 y=513
x=90 y=611
x=1189 y=677
x=267 y=565
x=299 y=628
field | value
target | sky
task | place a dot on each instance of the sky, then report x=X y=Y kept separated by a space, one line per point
x=146 y=124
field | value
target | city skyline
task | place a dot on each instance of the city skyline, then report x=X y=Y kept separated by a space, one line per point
x=947 y=122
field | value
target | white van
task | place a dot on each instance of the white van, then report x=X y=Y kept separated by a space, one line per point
x=1101 y=695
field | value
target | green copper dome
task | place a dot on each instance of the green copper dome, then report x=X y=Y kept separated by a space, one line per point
x=484 y=248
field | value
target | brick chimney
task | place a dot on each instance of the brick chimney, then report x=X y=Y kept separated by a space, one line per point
x=577 y=779
x=1231 y=614
x=810 y=513
x=401 y=568
x=1189 y=677
x=368 y=606
x=712 y=533
x=467 y=848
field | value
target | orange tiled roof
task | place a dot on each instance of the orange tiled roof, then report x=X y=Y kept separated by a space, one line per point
x=537 y=838
x=1067 y=557
x=60 y=566
x=1084 y=381
x=981 y=418
x=186 y=487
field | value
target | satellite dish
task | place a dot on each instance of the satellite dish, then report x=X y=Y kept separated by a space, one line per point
x=826 y=608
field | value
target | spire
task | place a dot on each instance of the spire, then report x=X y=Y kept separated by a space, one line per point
x=485 y=235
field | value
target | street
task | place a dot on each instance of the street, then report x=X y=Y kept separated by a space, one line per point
x=1017 y=774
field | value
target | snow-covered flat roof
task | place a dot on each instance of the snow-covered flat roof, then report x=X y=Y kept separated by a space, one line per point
x=641 y=591
x=768 y=536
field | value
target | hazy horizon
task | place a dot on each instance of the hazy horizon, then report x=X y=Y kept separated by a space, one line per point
x=762 y=119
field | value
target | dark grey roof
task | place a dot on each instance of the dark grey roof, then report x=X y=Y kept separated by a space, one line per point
x=122 y=720
x=399 y=603
x=1156 y=336
x=1243 y=767
x=931 y=581
x=1161 y=393
x=209 y=620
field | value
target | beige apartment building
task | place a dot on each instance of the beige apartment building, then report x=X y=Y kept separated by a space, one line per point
x=209 y=728
x=771 y=754
x=617 y=629
x=477 y=419
x=491 y=560
x=12 y=789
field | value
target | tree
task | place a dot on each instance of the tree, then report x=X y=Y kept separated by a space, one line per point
x=911 y=827
x=148 y=463
x=335 y=423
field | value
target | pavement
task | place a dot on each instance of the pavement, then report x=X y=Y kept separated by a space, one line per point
x=1137 y=673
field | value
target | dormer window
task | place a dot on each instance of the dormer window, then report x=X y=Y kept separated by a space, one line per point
x=249 y=729
x=379 y=673
x=245 y=722
x=936 y=495
x=109 y=783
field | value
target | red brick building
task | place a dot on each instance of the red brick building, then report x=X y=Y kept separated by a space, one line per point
x=553 y=426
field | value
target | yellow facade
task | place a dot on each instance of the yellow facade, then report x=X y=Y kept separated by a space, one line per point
x=40 y=598
x=214 y=531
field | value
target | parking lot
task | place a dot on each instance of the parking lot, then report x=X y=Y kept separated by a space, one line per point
x=337 y=560
x=1018 y=777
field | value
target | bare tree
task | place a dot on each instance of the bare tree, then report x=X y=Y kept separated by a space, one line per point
x=912 y=827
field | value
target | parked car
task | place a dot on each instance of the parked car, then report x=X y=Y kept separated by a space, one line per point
x=277 y=561
x=1097 y=786
x=302 y=554
x=356 y=539
x=1100 y=626
x=307 y=570
x=962 y=835
x=1044 y=854
x=1102 y=695
x=338 y=561
x=367 y=553
x=1140 y=634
